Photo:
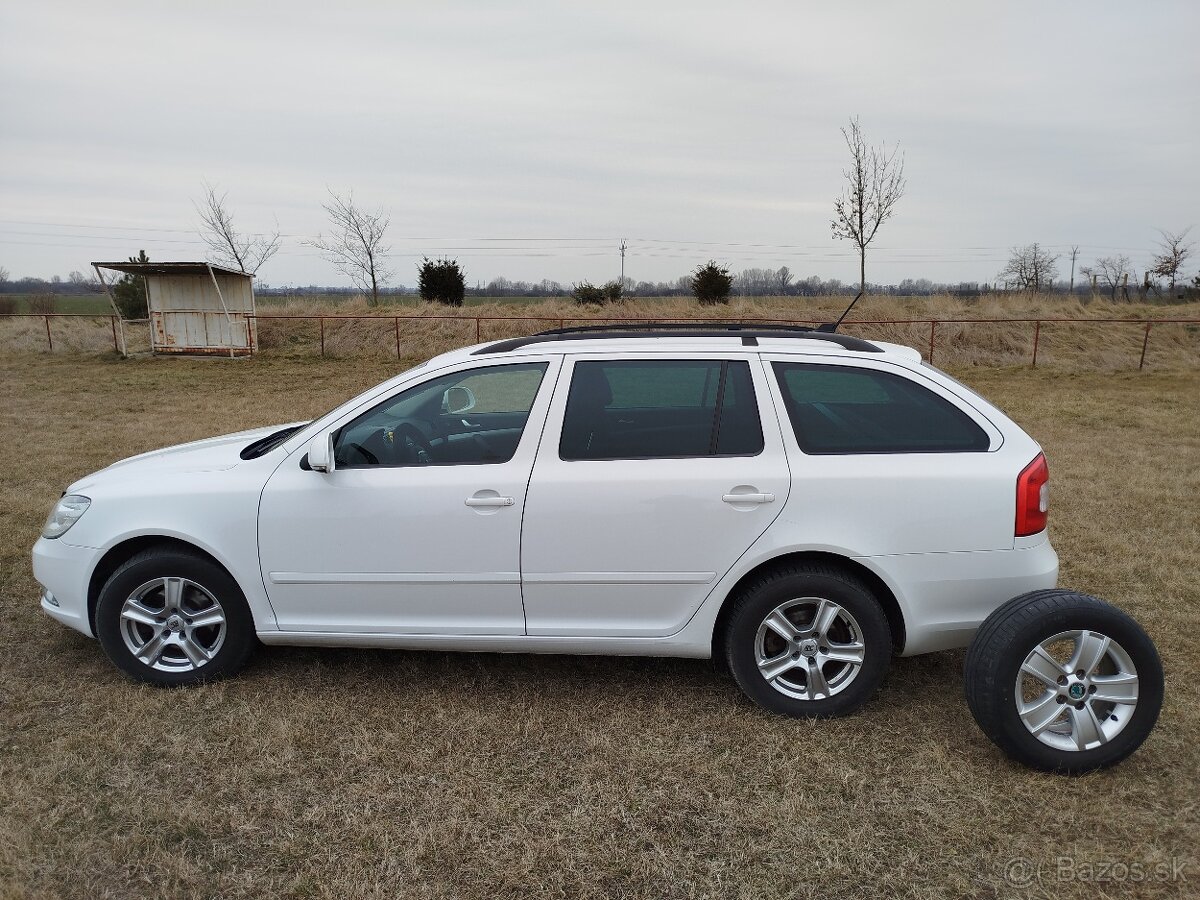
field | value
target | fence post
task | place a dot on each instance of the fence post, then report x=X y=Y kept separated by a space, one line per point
x=322 y=321
x=932 y=327
x=477 y=329
x=49 y=340
x=1145 y=341
x=397 y=337
x=1037 y=332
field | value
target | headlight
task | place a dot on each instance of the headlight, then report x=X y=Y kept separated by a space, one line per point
x=65 y=514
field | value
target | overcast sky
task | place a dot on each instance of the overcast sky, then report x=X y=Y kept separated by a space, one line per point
x=527 y=139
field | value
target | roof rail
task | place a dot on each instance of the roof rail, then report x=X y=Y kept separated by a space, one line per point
x=748 y=332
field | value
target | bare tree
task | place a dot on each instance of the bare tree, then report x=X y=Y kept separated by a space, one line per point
x=1110 y=271
x=783 y=280
x=1030 y=268
x=1175 y=249
x=3 y=274
x=874 y=184
x=357 y=248
x=226 y=245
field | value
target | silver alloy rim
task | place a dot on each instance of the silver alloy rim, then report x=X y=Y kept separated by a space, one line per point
x=173 y=624
x=1077 y=690
x=809 y=648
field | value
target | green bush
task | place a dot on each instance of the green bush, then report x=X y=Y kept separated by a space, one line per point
x=442 y=281
x=129 y=292
x=588 y=294
x=712 y=283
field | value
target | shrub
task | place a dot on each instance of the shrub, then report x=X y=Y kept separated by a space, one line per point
x=8 y=306
x=712 y=283
x=129 y=292
x=43 y=303
x=442 y=281
x=587 y=294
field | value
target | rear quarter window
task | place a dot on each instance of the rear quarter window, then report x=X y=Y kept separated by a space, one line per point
x=841 y=409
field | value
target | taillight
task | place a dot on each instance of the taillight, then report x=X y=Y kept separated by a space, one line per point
x=1033 y=497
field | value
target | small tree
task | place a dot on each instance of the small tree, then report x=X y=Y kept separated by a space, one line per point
x=613 y=291
x=711 y=284
x=441 y=281
x=3 y=275
x=226 y=245
x=1030 y=268
x=874 y=184
x=1110 y=271
x=129 y=292
x=357 y=247
x=1174 y=250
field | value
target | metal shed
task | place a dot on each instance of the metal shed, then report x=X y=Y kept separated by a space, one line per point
x=195 y=307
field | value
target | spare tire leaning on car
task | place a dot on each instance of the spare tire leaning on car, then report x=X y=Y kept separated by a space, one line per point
x=1063 y=682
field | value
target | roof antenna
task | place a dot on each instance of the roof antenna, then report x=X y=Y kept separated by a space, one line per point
x=832 y=327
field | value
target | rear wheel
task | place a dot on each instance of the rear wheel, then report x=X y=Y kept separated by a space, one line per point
x=169 y=617
x=1063 y=681
x=808 y=640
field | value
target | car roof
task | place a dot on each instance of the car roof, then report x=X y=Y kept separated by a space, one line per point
x=643 y=344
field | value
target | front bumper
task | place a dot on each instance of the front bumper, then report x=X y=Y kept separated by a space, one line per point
x=63 y=570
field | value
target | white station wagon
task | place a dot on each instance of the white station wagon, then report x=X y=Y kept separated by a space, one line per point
x=799 y=504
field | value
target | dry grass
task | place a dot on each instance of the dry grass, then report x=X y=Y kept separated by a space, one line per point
x=1095 y=347
x=358 y=774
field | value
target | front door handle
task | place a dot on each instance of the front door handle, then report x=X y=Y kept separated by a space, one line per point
x=489 y=501
x=748 y=498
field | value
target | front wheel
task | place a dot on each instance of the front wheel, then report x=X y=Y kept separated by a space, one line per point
x=808 y=640
x=1062 y=681
x=171 y=618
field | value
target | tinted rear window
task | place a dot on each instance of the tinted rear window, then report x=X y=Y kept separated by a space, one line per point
x=646 y=409
x=839 y=409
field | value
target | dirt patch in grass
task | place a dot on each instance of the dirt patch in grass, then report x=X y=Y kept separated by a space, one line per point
x=358 y=774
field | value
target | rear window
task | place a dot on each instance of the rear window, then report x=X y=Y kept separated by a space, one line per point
x=838 y=409
x=654 y=409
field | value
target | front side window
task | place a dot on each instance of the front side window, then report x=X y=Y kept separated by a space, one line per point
x=839 y=409
x=471 y=417
x=647 y=409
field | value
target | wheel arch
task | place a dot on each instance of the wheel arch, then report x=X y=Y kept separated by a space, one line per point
x=117 y=555
x=878 y=587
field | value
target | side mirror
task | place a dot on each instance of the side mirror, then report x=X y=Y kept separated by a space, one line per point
x=320 y=452
x=458 y=400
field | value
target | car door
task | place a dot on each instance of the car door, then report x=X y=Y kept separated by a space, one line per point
x=417 y=528
x=655 y=474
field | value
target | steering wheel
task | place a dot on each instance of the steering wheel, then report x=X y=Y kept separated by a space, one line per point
x=410 y=437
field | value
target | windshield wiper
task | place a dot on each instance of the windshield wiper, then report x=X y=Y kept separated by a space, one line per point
x=270 y=442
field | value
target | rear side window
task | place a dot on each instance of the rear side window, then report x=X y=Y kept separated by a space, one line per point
x=654 y=409
x=837 y=409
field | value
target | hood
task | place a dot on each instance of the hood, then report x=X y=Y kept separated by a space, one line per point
x=208 y=455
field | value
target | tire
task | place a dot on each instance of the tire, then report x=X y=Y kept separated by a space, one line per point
x=182 y=612
x=816 y=673
x=1054 y=719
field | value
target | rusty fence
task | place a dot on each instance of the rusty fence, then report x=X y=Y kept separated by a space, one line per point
x=475 y=324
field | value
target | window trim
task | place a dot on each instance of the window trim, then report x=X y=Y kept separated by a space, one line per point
x=990 y=432
x=724 y=362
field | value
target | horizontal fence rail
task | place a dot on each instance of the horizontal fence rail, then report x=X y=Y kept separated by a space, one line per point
x=475 y=324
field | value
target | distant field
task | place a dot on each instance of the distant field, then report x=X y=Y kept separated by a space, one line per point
x=373 y=333
x=382 y=774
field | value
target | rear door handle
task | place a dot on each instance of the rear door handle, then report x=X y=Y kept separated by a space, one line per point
x=748 y=498
x=489 y=501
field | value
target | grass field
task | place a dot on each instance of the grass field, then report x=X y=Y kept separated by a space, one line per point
x=385 y=774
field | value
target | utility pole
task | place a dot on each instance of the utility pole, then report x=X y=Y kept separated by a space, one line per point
x=623 y=248
x=1074 y=253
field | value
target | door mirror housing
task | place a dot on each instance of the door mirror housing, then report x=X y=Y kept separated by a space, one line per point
x=458 y=400
x=320 y=452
